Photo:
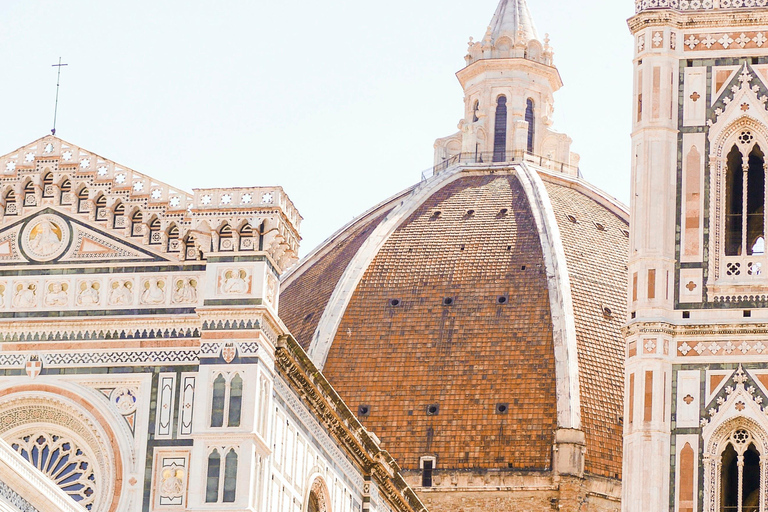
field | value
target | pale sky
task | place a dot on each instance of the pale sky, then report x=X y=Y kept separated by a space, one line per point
x=339 y=102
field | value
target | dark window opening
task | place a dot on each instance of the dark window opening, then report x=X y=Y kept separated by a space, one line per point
x=747 y=313
x=502 y=299
x=363 y=411
x=741 y=231
x=686 y=314
x=212 y=484
x=433 y=409
x=755 y=200
x=235 y=401
x=448 y=301
x=750 y=485
x=733 y=203
x=217 y=408
x=500 y=131
x=426 y=474
x=530 y=120
x=502 y=408
x=230 y=477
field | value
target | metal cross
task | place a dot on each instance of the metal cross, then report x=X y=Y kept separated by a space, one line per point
x=58 y=80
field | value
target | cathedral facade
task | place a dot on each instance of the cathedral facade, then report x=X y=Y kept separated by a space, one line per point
x=696 y=380
x=143 y=364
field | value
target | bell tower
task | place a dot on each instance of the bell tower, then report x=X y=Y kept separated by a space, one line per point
x=696 y=384
x=509 y=83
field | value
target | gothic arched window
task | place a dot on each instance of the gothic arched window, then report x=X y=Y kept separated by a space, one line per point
x=227 y=400
x=235 y=401
x=500 y=131
x=745 y=202
x=740 y=478
x=529 y=118
x=230 y=477
x=212 y=483
x=217 y=408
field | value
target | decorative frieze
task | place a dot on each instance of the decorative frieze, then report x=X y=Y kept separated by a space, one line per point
x=696 y=5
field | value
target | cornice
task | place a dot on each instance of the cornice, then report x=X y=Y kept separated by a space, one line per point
x=514 y=63
x=698 y=19
x=734 y=329
x=331 y=411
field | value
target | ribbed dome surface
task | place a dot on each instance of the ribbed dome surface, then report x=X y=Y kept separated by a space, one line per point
x=486 y=360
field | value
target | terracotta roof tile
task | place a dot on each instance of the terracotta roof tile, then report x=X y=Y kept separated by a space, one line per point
x=467 y=357
x=597 y=268
x=303 y=301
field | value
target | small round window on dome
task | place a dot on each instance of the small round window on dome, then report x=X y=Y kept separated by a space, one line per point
x=572 y=219
x=625 y=232
x=448 y=301
x=599 y=226
x=470 y=213
x=394 y=302
x=436 y=215
x=502 y=299
x=502 y=408
x=363 y=411
x=607 y=312
x=433 y=409
x=503 y=212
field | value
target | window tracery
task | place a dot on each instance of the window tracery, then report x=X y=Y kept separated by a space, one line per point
x=738 y=210
x=221 y=487
x=63 y=461
x=227 y=400
x=66 y=443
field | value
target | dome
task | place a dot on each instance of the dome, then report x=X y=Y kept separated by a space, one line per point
x=473 y=316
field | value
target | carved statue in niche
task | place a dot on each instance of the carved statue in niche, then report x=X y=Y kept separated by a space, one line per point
x=121 y=294
x=26 y=295
x=185 y=291
x=154 y=292
x=89 y=293
x=57 y=294
x=235 y=281
x=172 y=484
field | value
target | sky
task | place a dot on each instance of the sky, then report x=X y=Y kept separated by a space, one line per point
x=337 y=101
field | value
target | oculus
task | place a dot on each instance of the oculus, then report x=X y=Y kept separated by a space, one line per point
x=45 y=237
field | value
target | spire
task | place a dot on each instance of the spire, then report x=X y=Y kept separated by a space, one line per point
x=513 y=19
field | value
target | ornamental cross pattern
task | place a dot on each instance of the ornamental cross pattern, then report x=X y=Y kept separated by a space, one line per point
x=695 y=96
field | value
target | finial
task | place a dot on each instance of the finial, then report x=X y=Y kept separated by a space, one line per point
x=546 y=40
x=56 y=106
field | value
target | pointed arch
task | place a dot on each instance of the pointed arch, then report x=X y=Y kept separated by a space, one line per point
x=213 y=476
x=500 y=130
x=317 y=498
x=246 y=237
x=66 y=191
x=531 y=120
x=118 y=212
x=137 y=223
x=225 y=237
x=11 y=208
x=101 y=206
x=172 y=235
x=155 y=235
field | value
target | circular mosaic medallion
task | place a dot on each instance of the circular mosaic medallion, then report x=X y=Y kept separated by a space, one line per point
x=45 y=238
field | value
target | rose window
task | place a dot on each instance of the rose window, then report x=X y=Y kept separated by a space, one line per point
x=746 y=137
x=63 y=462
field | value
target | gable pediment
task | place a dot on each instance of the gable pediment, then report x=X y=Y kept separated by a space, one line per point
x=51 y=237
x=116 y=214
